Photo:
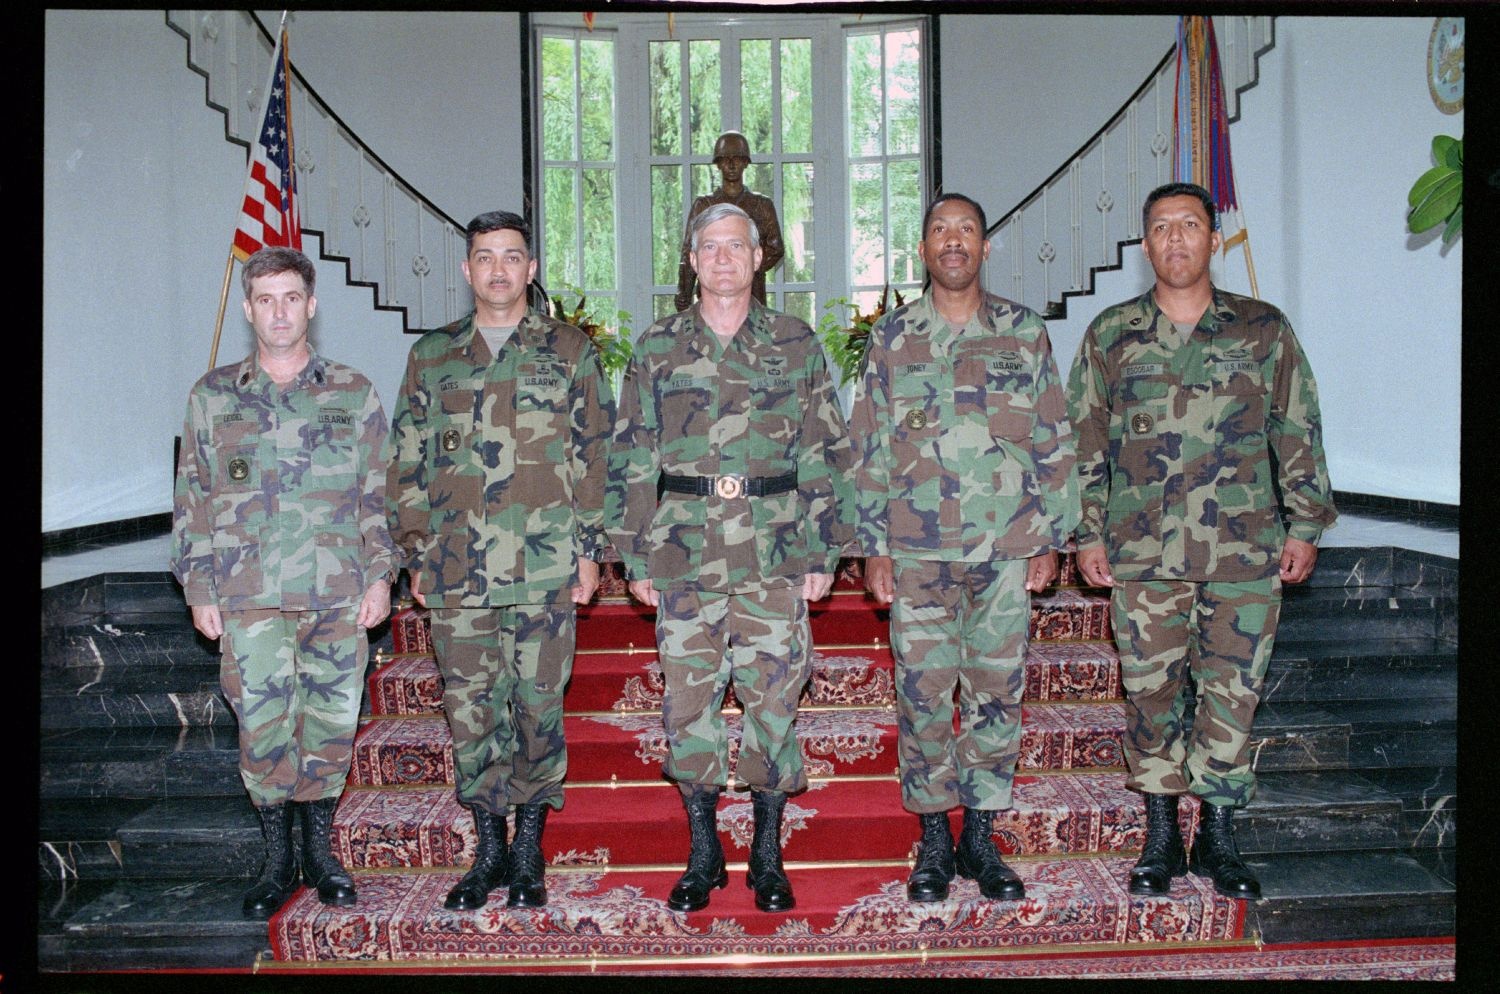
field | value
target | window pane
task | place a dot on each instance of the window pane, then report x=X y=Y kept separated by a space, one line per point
x=705 y=179
x=597 y=65
x=903 y=61
x=759 y=176
x=866 y=94
x=796 y=95
x=703 y=100
x=800 y=305
x=755 y=94
x=666 y=98
x=557 y=98
x=906 y=221
x=562 y=229
x=599 y=229
x=797 y=221
x=663 y=306
x=867 y=223
x=866 y=301
x=602 y=311
x=666 y=223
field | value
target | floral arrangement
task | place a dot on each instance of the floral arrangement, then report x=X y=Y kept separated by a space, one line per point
x=846 y=342
x=613 y=344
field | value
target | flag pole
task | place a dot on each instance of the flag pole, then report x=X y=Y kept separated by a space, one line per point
x=1243 y=235
x=213 y=353
x=277 y=54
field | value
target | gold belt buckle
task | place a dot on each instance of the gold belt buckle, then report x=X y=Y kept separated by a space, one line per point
x=729 y=487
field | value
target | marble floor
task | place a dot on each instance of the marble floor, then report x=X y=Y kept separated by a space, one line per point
x=150 y=555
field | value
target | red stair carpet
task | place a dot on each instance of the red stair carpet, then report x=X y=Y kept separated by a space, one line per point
x=618 y=843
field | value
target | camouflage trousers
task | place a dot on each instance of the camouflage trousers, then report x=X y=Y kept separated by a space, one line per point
x=294 y=679
x=760 y=640
x=1221 y=634
x=504 y=670
x=959 y=626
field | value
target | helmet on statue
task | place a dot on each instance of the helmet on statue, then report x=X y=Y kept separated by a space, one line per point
x=732 y=143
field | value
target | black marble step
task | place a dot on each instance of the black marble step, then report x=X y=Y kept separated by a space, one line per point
x=147 y=762
x=1429 y=803
x=77 y=840
x=183 y=837
x=103 y=647
x=1354 y=734
x=136 y=924
x=1384 y=565
x=1310 y=897
x=109 y=707
x=116 y=597
x=1362 y=669
x=1324 y=613
x=57 y=901
x=1317 y=811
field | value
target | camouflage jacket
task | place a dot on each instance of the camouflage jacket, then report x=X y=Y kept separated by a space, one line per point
x=1183 y=448
x=280 y=495
x=762 y=405
x=496 y=486
x=962 y=445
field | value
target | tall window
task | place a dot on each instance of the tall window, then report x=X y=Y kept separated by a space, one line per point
x=834 y=115
x=579 y=167
x=883 y=71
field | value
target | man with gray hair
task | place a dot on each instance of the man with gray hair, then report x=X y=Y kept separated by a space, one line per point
x=728 y=450
x=279 y=541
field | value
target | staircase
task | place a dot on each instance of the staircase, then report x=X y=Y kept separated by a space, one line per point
x=147 y=838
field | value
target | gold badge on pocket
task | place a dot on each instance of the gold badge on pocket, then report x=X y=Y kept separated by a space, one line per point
x=239 y=469
x=916 y=420
x=450 y=440
x=1141 y=422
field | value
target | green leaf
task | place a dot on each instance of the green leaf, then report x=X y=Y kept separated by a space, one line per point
x=1441 y=145
x=1455 y=225
x=1454 y=157
x=1438 y=204
x=1423 y=187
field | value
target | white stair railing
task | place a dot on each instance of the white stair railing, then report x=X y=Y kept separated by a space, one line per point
x=406 y=249
x=1048 y=247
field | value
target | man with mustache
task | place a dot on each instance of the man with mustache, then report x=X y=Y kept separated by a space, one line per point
x=496 y=500
x=279 y=540
x=1204 y=490
x=966 y=489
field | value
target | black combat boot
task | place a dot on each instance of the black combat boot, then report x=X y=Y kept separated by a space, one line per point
x=491 y=867
x=278 y=874
x=1215 y=854
x=933 y=871
x=527 y=889
x=979 y=860
x=705 y=868
x=773 y=891
x=319 y=867
x=1162 y=856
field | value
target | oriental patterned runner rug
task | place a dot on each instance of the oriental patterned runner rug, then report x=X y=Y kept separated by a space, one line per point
x=616 y=846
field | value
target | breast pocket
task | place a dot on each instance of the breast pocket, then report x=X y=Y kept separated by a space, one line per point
x=686 y=406
x=1144 y=447
x=541 y=412
x=1240 y=403
x=333 y=455
x=456 y=482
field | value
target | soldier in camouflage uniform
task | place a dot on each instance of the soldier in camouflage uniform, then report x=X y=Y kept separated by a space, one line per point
x=1194 y=408
x=729 y=408
x=966 y=490
x=280 y=543
x=496 y=500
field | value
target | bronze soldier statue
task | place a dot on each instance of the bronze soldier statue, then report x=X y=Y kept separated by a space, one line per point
x=731 y=156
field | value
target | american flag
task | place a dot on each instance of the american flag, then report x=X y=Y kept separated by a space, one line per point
x=269 y=213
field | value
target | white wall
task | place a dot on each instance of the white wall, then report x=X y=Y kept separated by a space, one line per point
x=1327 y=146
x=433 y=93
x=1021 y=93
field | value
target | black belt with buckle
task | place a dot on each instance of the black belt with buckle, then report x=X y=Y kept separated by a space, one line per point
x=729 y=486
